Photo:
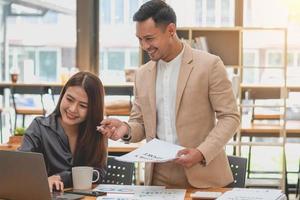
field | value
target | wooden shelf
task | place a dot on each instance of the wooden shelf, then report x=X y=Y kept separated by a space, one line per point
x=218 y=41
x=292 y=129
x=293 y=88
x=262 y=91
x=267 y=116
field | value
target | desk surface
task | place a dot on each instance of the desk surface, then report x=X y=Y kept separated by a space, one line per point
x=188 y=192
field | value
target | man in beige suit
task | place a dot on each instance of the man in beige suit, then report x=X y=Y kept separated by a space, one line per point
x=182 y=96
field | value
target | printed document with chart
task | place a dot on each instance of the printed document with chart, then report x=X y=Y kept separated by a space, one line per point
x=153 y=151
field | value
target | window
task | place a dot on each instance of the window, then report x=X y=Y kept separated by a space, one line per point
x=273 y=73
x=225 y=12
x=251 y=70
x=105 y=11
x=293 y=69
x=35 y=64
x=68 y=57
x=133 y=7
x=47 y=65
x=119 y=11
x=250 y=58
x=30 y=19
x=50 y=18
x=203 y=12
x=291 y=59
x=38 y=54
x=199 y=13
x=274 y=58
x=134 y=59
x=211 y=7
x=118 y=52
x=116 y=60
x=19 y=9
x=265 y=13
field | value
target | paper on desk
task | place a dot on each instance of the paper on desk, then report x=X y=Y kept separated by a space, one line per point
x=161 y=194
x=252 y=194
x=153 y=151
x=126 y=189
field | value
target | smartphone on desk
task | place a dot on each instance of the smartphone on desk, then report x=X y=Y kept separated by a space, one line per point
x=86 y=192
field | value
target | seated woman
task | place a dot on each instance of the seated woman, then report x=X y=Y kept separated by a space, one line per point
x=68 y=137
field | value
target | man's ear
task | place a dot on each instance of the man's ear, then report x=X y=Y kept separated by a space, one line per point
x=171 y=28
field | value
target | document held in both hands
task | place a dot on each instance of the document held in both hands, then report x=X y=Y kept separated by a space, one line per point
x=153 y=151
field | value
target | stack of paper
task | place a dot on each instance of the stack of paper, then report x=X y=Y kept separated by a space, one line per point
x=153 y=151
x=253 y=194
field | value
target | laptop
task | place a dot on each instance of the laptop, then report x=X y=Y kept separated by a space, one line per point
x=23 y=176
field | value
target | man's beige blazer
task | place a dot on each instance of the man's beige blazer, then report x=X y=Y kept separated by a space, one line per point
x=204 y=94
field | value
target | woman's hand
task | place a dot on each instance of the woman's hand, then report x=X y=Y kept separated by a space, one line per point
x=55 y=183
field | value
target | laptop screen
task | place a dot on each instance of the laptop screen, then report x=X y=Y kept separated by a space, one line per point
x=23 y=176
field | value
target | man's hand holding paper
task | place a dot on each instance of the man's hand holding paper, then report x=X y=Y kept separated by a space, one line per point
x=189 y=157
x=154 y=151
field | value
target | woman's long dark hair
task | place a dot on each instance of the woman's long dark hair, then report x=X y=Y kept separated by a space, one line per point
x=91 y=146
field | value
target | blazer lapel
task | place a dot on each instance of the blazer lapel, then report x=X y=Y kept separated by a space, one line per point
x=184 y=73
x=152 y=94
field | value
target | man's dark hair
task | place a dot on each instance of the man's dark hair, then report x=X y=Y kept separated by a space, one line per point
x=161 y=13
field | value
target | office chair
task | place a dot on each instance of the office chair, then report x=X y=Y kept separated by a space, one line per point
x=1 y=138
x=26 y=110
x=120 y=107
x=238 y=167
x=118 y=172
x=298 y=184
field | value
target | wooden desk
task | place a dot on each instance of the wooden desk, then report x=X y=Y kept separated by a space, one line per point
x=13 y=143
x=9 y=147
x=188 y=192
x=119 y=148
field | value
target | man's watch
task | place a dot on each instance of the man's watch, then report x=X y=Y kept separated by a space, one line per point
x=203 y=162
x=127 y=136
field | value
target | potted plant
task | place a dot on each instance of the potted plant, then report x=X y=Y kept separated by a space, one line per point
x=20 y=131
x=14 y=74
x=18 y=136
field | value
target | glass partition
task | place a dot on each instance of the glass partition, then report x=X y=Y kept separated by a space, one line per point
x=41 y=40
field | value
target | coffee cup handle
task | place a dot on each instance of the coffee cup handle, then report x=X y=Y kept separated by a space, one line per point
x=98 y=176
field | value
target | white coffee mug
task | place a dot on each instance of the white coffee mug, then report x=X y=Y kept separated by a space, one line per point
x=83 y=177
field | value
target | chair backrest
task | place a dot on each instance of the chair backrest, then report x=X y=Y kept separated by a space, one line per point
x=298 y=184
x=25 y=96
x=238 y=167
x=118 y=172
